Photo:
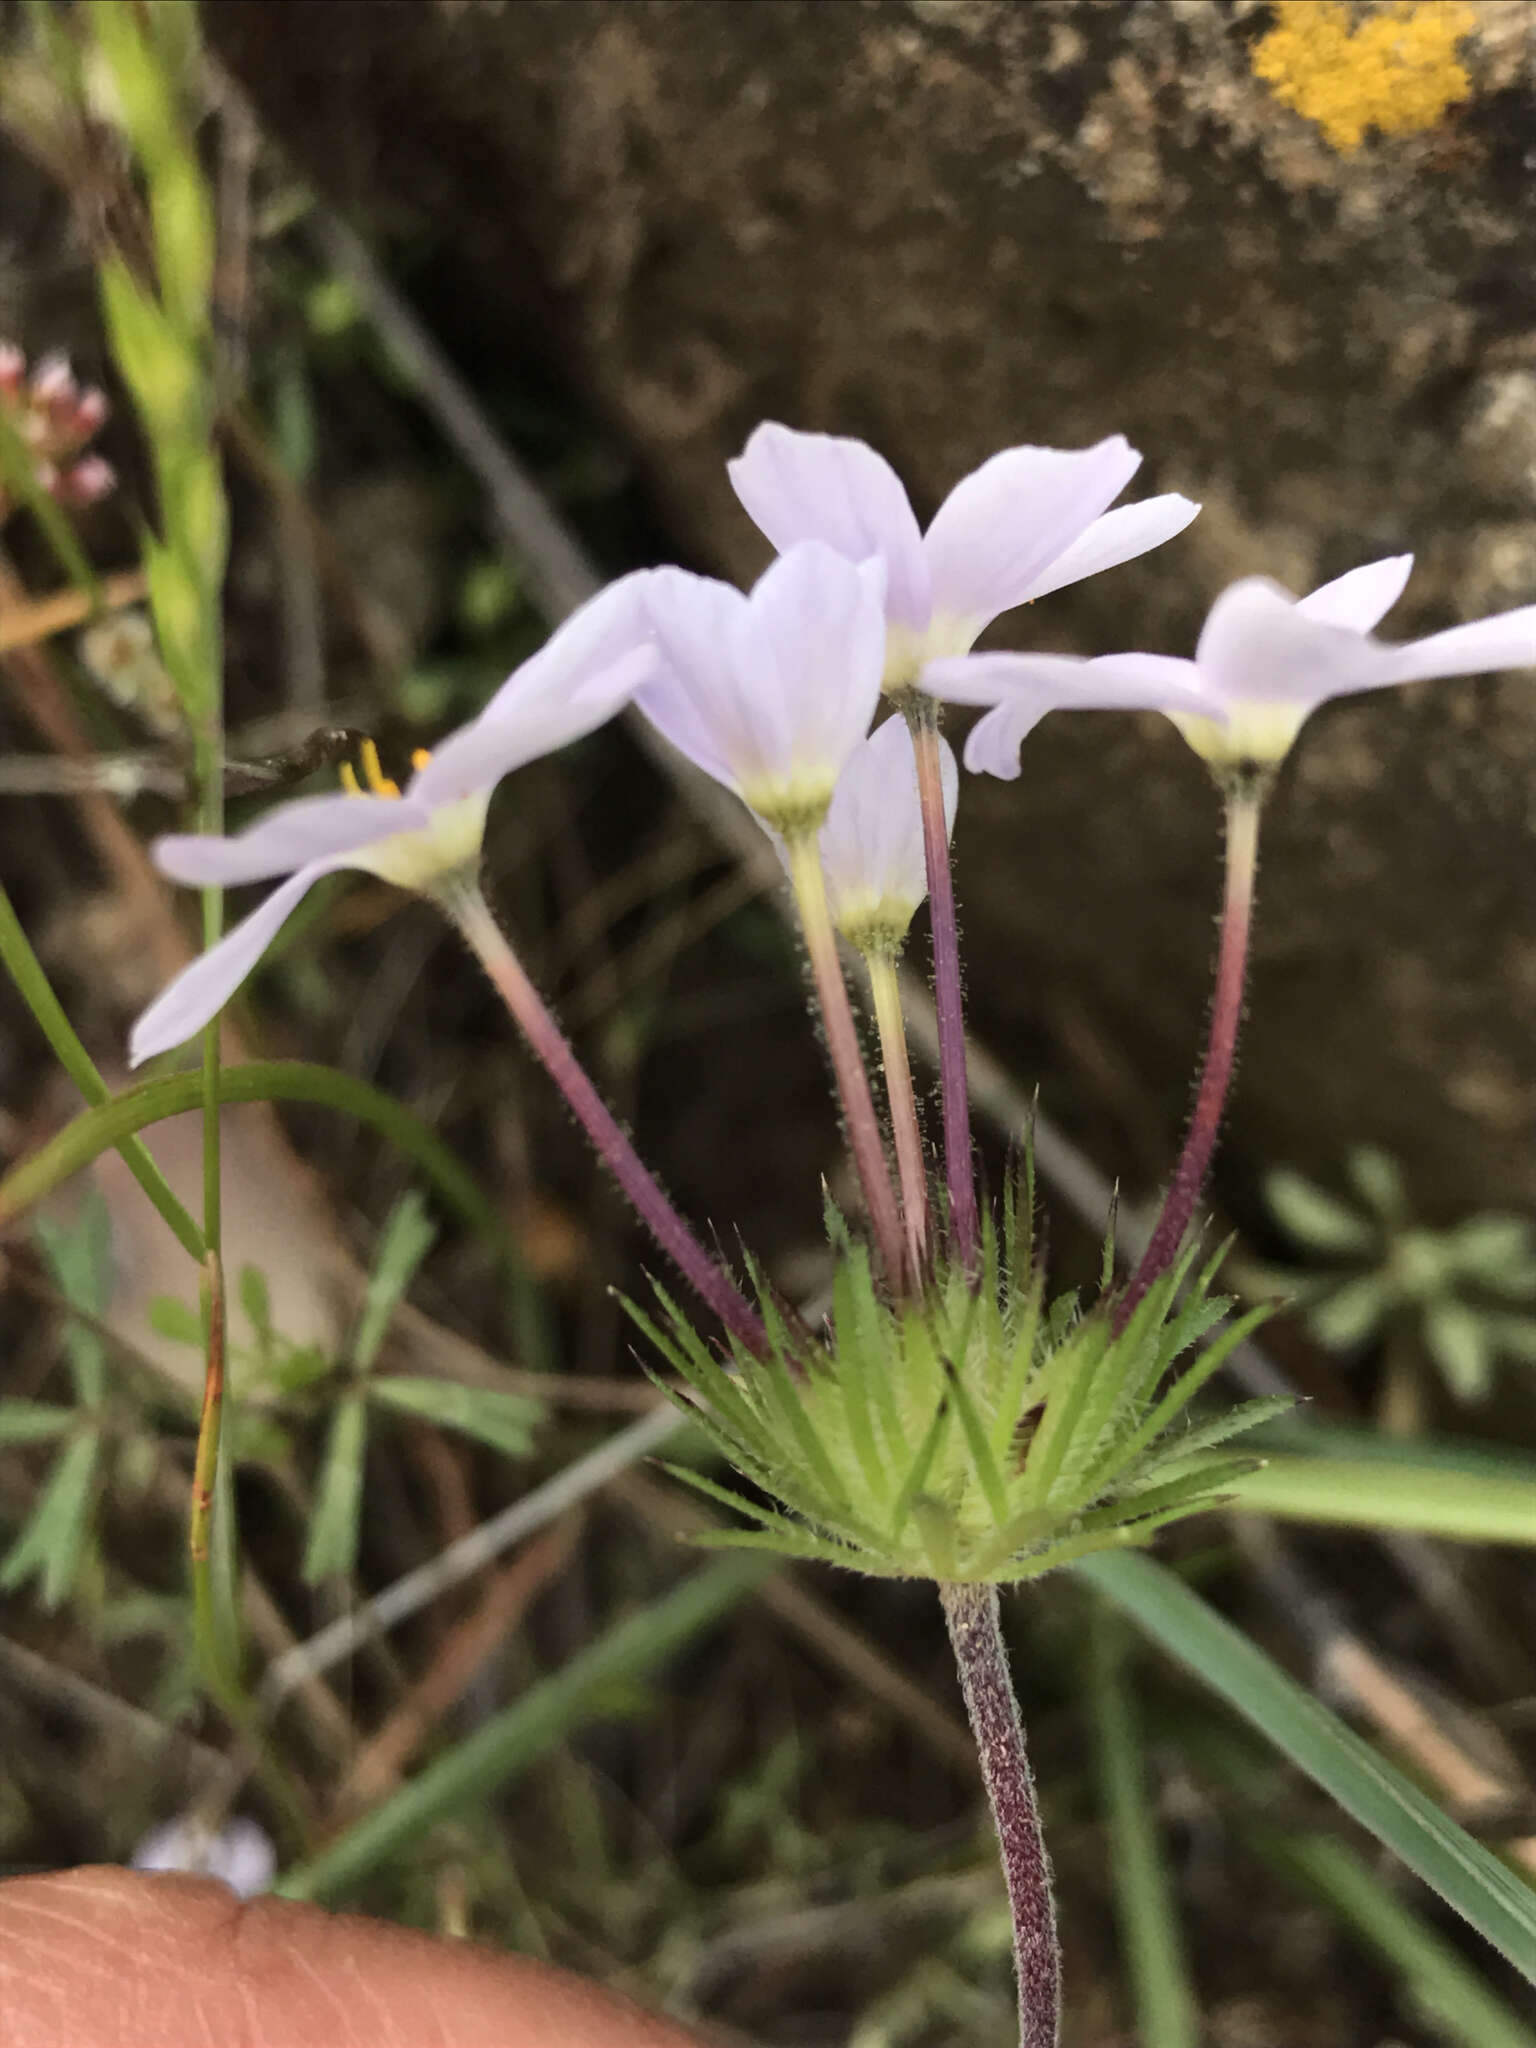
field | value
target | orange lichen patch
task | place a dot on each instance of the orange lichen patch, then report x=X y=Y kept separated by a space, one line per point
x=1395 y=70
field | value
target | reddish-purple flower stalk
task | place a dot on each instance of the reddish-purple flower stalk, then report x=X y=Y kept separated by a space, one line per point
x=863 y=1125
x=1184 y=1190
x=975 y=1631
x=959 y=1165
x=704 y=1274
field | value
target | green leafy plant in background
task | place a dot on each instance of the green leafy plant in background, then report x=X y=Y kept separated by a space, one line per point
x=1460 y=1300
x=53 y=1540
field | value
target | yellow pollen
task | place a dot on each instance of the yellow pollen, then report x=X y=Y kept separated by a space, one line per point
x=420 y=757
x=378 y=781
x=348 y=777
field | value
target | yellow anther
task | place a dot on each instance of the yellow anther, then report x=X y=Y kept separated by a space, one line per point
x=349 y=782
x=420 y=757
x=378 y=781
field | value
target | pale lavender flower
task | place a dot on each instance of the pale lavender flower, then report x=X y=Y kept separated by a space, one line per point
x=1027 y=522
x=422 y=838
x=872 y=840
x=769 y=693
x=240 y=1854
x=1265 y=660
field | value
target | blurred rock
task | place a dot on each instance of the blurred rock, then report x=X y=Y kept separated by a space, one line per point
x=950 y=224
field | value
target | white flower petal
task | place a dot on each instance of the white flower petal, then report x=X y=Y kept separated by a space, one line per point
x=821 y=487
x=201 y=990
x=1258 y=646
x=1116 y=537
x=692 y=698
x=993 y=744
x=1002 y=527
x=309 y=828
x=1507 y=640
x=1064 y=682
x=1022 y=688
x=582 y=649
x=819 y=616
x=1362 y=597
x=502 y=738
x=872 y=840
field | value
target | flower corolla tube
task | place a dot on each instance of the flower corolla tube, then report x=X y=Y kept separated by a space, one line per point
x=426 y=837
x=1265 y=660
x=872 y=841
x=1027 y=522
x=769 y=693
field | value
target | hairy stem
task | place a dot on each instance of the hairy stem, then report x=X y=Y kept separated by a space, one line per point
x=959 y=1164
x=976 y=1633
x=858 y=1103
x=886 y=997
x=704 y=1274
x=1184 y=1190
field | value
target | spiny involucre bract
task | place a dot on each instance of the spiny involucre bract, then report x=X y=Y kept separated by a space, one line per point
x=975 y=1433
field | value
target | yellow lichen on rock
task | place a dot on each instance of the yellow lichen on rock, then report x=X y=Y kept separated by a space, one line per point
x=1394 y=71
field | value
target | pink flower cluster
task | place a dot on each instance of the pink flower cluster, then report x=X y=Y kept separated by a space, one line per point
x=56 y=419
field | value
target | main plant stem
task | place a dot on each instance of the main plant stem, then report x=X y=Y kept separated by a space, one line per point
x=708 y=1279
x=959 y=1163
x=810 y=887
x=891 y=1025
x=975 y=1631
x=1184 y=1190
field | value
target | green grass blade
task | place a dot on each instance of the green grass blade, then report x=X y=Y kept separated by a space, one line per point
x=549 y=1713
x=405 y=1240
x=331 y=1550
x=504 y=1421
x=1467 y=1507
x=1166 y=2012
x=116 y=1119
x=53 y=1537
x=1467 y=1876
x=1436 y=1980
x=36 y=991
x=30 y=1422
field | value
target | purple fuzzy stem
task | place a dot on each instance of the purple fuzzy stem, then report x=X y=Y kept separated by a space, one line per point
x=1188 y=1182
x=976 y=1634
x=707 y=1278
x=959 y=1164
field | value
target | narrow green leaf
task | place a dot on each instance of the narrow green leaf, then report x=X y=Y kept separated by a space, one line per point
x=1434 y=1500
x=1436 y=1980
x=504 y=1421
x=36 y=991
x=921 y=1466
x=1462 y=1346
x=1319 y=1221
x=982 y=1460
x=1465 y=1874
x=550 y=1712
x=405 y=1240
x=53 y=1537
x=332 y=1547
x=1180 y=1394
x=177 y=1320
x=31 y=1422
x=1166 y=2012
x=79 y=1256
x=1348 y=1314
x=853 y=1377
x=114 y=1120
